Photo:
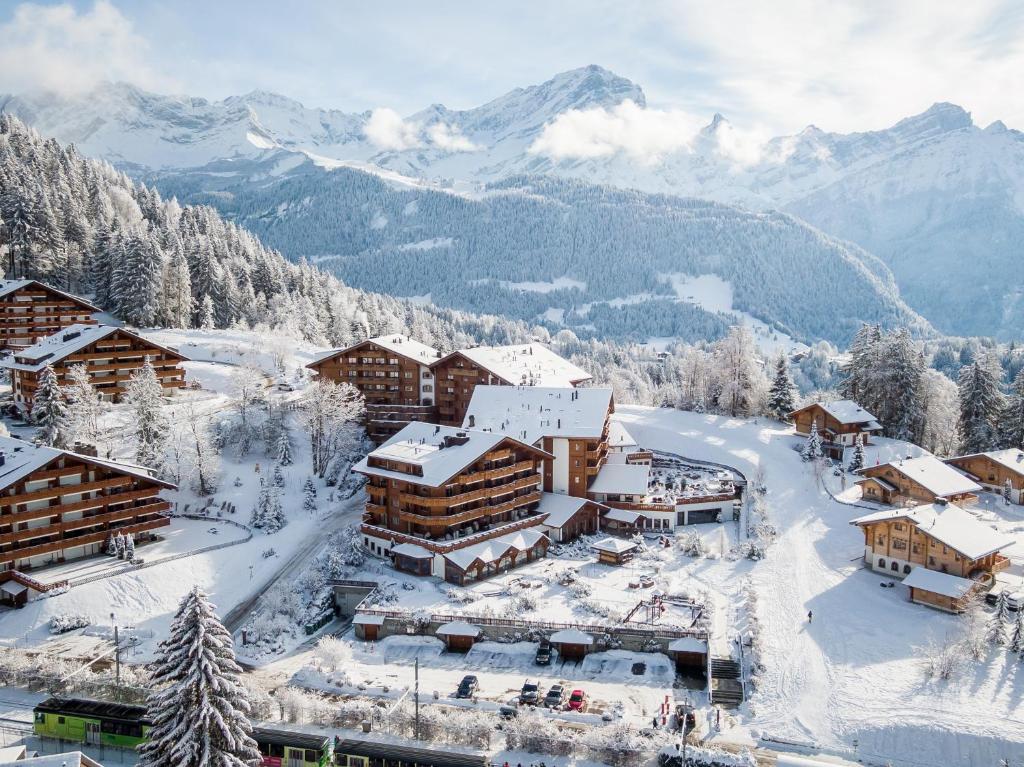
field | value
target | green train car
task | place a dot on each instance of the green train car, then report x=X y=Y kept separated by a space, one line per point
x=93 y=722
x=281 y=748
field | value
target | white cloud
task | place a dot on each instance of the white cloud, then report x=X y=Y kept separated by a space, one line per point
x=645 y=135
x=387 y=130
x=57 y=48
x=450 y=138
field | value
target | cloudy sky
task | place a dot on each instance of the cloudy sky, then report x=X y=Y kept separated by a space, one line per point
x=773 y=67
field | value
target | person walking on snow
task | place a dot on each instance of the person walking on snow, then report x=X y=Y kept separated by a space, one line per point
x=810 y=616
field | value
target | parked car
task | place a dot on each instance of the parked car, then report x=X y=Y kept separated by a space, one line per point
x=578 y=701
x=555 y=697
x=543 y=657
x=467 y=687
x=530 y=694
x=508 y=712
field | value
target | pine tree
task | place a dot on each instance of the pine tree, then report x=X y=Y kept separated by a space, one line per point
x=278 y=476
x=199 y=706
x=1011 y=421
x=129 y=547
x=284 y=449
x=309 y=495
x=260 y=512
x=780 y=395
x=981 y=405
x=207 y=320
x=857 y=461
x=1017 y=637
x=50 y=412
x=144 y=394
x=812 y=449
x=84 y=406
x=995 y=631
x=275 y=512
x=111 y=545
x=119 y=545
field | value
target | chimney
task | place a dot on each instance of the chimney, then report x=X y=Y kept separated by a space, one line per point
x=559 y=423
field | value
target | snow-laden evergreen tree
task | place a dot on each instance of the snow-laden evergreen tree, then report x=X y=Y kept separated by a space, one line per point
x=144 y=395
x=284 y=449
x=111 y=546
x=1017 y=635
x=812 y=449
x=278 y=476
x=84 y=406
x=129 y=547
x=207 y=316
x=203 y=455
x=309 y=495
x=119 y=544
x=1011 y=422
x=903 y=413
x=137 y=280
x=995 y=630
x=857 y=459
x=261 y=510
x=275 y=519
x=199 y=706
x=981 y=405
x=50 y=412
x=781 y=394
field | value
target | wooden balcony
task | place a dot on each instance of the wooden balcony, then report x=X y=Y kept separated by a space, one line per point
x=449 y=520
x=84 y=505
x=503 y=471
x=9 y=501
x=445 y=502
x=102 y=520
x=49 y=547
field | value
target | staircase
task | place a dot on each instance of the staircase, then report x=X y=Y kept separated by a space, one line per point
x=726 y=686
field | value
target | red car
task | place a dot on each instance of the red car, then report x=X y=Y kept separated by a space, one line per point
x=577 y=701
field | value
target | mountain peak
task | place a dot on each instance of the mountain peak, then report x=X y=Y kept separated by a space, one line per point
x=939 y=118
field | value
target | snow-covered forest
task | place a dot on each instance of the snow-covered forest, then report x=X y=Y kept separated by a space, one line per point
x=613 y=244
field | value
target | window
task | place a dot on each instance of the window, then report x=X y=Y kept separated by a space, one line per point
x=901 y=545
x=895 y=566
x=881 y=562
x=906 y=569
x=880 y=540
x=408 y=374
x=311 y=756
x=899 y=526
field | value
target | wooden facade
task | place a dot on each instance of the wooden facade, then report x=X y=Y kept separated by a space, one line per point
x=393 y=374
x=111 y=356
x=503 y=485
x=840 y=425
x=995 y=471
x=898 y=545
x=889 y=483
x=30 y=311
x=59 y=505
x=456 y=377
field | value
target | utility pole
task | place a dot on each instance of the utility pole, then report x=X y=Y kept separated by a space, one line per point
x=117 y=663
x=416 y=726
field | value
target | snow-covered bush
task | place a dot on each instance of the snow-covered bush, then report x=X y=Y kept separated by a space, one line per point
x=943 y=660
x=693 y=545
x=332 y=654
x=64 y=622
x=699 y=756
x=530 y=731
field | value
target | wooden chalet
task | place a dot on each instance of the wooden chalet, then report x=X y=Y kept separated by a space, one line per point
x=925 y=479
x=458 y=636
x=1001 y=471
x=459 y=373
x=56 y=505
x=572 y=644
x=939 y=537
x=111 y=356
x=840 y=424
x=30 y=311
x=394 y=376
x=458 y=504
x=570 y=424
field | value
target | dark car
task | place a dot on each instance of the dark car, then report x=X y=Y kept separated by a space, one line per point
x=530 y=694
x=555 y=697
x=543 y=657
x=467 y=687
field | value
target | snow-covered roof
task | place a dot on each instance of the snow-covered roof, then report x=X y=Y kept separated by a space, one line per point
x=848 y=412
x=884 y=483
x=559 y=508
x=404 y=346
x=1012 y=458
x=458 y=629
x=622 y=479
x=938 y=582
x=948 y=524
x=362 y=619
x=22 y=458
x=13 y=588
x=412 y=550
x=441 y=452
x=528 y=364
x=623 y=515
x=933 y=475
x=67 y=759
x=529 y=413
x=571 y=636
x=619 y=437
x=494 y=549
x=11 y=286
x=65 y=343
x=614 y=545
x=688 y=644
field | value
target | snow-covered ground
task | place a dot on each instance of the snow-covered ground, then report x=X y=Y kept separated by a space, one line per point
x=854 y=677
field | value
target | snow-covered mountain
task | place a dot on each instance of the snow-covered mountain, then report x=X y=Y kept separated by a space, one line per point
x=937 y=198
